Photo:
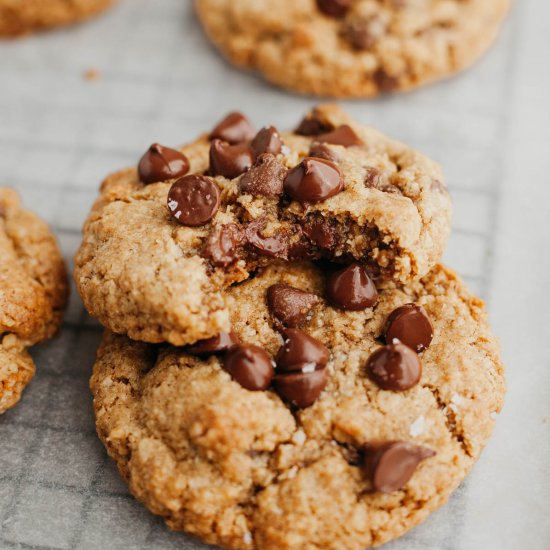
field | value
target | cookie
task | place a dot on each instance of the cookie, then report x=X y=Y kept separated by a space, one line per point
x=352 y=48
x=33 y=293
x=19 y=17
x=350 y=441
x=163 y=242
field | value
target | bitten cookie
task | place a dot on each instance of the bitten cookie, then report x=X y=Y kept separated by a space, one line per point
x=335 y=435
x=23 y=16
x=33 y=293
x=352 y=48
x=163 y=242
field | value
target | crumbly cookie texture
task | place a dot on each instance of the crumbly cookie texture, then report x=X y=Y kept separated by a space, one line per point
x=244 y=470
x=19 y=17
x=33 y=292
x=371 y=46
x=143 y=274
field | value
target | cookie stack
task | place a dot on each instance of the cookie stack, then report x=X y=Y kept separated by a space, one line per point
x=285 y=363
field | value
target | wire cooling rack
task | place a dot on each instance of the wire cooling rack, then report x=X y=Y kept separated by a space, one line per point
x=77 y=104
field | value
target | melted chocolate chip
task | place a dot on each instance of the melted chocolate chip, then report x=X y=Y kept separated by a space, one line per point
x=222 y=244
x=234 y=128
x=288 y=305
x=273 y=247
x=162 y=163
x=312 y=126
x=323 y=151
x=343 y=135
x=334 y=8
x=265 y=178
x=410 y=325
x=320 y=233
x=193 y=200
x=300 y=350
x=394 y=367
x=220 y=343
x=372 y=177
x=313 y=180
x=391 y=466
x=250 y=366
x=228 y=160
x=301 y=389
x=363 y=34
x=351 y=288
x=385 y=81
x=267 y=140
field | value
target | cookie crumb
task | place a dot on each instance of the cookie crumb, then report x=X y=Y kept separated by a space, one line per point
x=92 y=74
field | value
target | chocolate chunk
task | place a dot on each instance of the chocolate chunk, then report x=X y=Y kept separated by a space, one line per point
x=343 y=135
x=372 y=177
x=234 y=128
x=250 y=366
x=385 y=81
x=228 y=160
x=351 y=288
x=193 y=200
x=313 y=180
x=267 y=140
x=394 y=367
x=288 y=305
x=265 y=178
x=391 y=466
x=273 y=247
x=323 y=151
x=320 y=233
x=334 y=8
x=300 y=351
x=301 y=389
x=312 y=126
x=222 y=244
x=220 y=343
x=162 y=163
x=363 y=34
x=410 y=325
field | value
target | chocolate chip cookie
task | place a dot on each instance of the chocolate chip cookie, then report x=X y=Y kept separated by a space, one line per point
x=308 y=425
x=164 y=241
x=33 y=293
x=19 y=17
x=352 y=48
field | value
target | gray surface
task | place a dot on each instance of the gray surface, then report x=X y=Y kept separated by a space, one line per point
x=160 y=80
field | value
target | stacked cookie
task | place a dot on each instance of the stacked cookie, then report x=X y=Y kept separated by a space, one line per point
x=33 y=293
x=285 y=364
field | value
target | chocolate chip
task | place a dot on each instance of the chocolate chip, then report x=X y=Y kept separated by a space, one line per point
x=313 y=180
x=320 y=233
x=312 y=126
x=363 y=34
x=221 y=245
x=275 y=246
x=193 y=200
x=234 y=128
x=410 y=325
x=394 y=367
x=351 y=288
x=267 y=140
x=343 y=135
x=162 y=163
x=288 y=305
x=391 y=465
x=301 y=389
x=300 y=352
x=265 y=178
x=220 y=343
x=228 y=160
x=372 y=177
x=385 y=81
x=250 y=366
x=323 y=151
x=334 y=8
